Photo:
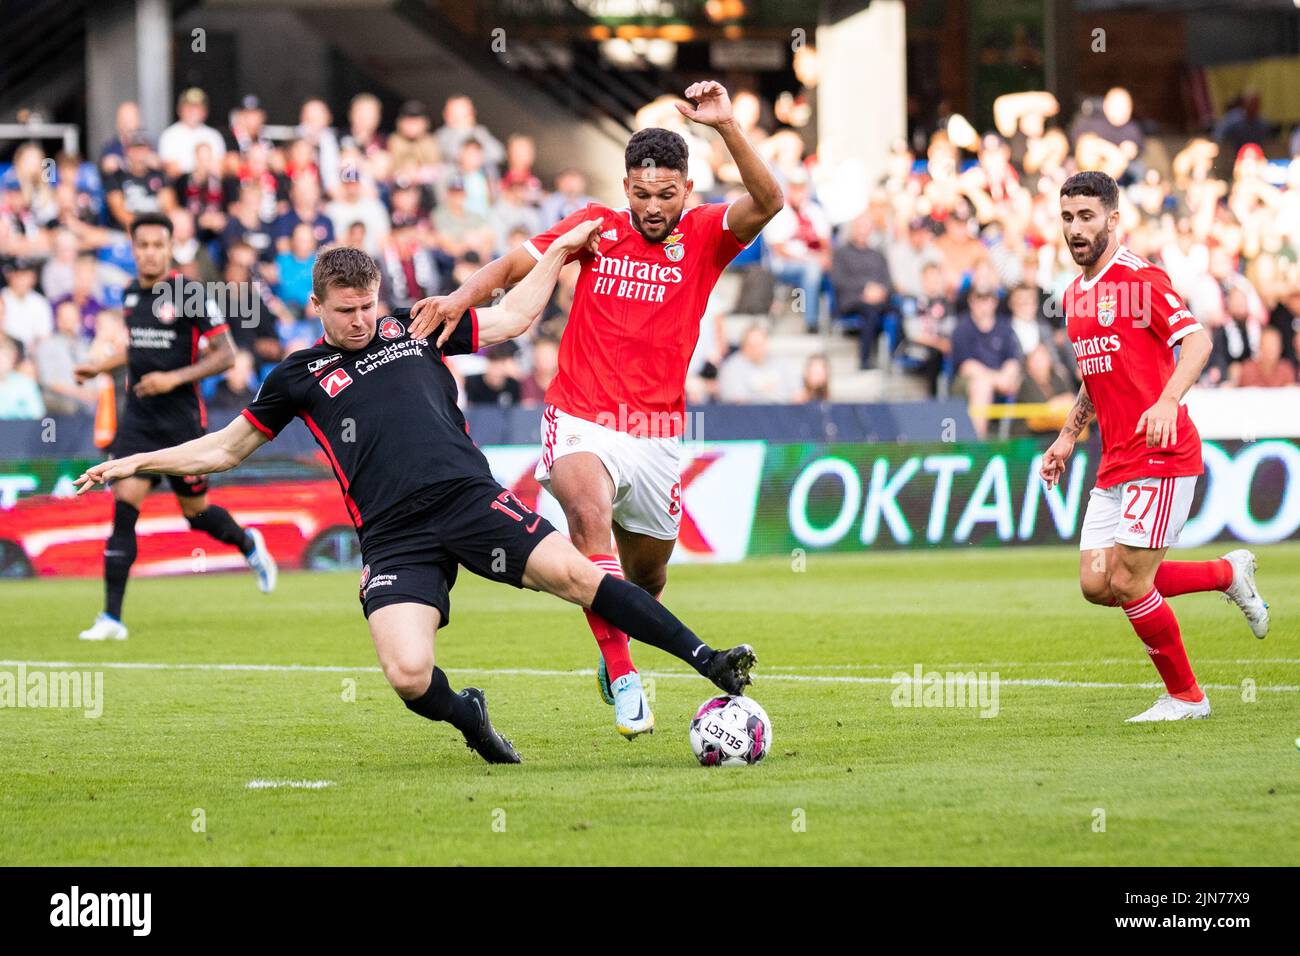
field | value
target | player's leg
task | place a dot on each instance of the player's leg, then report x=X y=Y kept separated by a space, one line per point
x=644 y=559
x=1151 y=519
x=1094 y=576
x=1233 y=575
x=583 y=485
x=404 y=635
x=216 y=521
x=555 y=566
x=119 y=554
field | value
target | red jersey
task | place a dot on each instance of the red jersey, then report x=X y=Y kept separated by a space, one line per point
x=636 y=317
x=1123 y=324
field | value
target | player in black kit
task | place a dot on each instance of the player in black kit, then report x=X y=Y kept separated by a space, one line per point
x=163 y=407
x=382 y=406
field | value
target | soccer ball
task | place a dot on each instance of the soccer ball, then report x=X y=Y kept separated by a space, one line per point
x=730 y=730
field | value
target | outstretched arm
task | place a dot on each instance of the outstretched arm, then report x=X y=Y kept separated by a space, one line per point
x=763 y=198
x=524 y=303
x=444 y=311
x=218 y=451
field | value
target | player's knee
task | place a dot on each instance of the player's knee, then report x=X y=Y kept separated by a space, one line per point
x=649 y=579
x=408 y=673
x=1125 y=585
x=1096 y=590
x=589 y=518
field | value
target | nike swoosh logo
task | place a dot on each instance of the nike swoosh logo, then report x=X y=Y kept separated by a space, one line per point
x=533 y=527
x=640 y=711
x=696 y=652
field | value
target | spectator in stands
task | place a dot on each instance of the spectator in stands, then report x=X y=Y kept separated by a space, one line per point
x=1241 y=124
x=178 y=142
x=238 y=384
x=139 y=186
x=498 y=384
x=410 y=268
x=929 y=321
x=190 y=256
x=127 y=123
x=257 y=168
x=816 y=385
x=365 y=113
x=304 y=209
x=1285 y=317
x=30 y=176
x=860 y=278
x=205 y=193
x=521 y=153
x=469 y=169
x=1267 y=369
x=316 y=127
x=1027 y=321
x=961 y=251
x=247 y=126
x=28 y=317
x=1114 y=124
x=1044 y=383
x=19 y=395
x=908 y=257
x=750 y=375
x=545 y=364
x=244 y=224
x=293 y=267
x=799 y=240
x=412 y=148
x=1234 y=339
x=459 y=228
x=86 y=293
x=570 y=195
x=986 y=356
x=353 y=205
x=460 y=123
x=513 y=213
x=56 y=358
x=57 y=272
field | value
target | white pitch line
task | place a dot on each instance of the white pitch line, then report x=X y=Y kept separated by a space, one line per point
x=958 y=665
x=658 y=675
x=289 y=784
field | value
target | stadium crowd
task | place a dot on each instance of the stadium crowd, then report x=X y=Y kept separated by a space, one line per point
x=948 y=269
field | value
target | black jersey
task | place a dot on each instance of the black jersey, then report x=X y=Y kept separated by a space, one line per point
x=164 y=325
x=385 y=415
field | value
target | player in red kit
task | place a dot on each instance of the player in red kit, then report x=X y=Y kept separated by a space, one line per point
x=1124 y=320
x=615 y=412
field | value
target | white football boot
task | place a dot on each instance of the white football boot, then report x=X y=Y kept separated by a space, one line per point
x=1171 y=708
x=261 y=562
x=105 y=628
x=632 y=714
x=1242 y=592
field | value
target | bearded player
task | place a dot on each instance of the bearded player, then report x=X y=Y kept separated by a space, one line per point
x=615 y=412
x=1124 y=320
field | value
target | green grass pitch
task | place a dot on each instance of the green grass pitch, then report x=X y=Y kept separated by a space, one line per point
x=1055 y=777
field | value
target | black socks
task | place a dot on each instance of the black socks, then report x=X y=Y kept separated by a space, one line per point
x=440 y=702
x=637 y=614
x=217 y=522
x=119 y=555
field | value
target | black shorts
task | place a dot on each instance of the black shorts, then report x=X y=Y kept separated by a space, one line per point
x=412 y=554
x=135 y=436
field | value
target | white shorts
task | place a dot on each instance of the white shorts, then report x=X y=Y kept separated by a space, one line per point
x=1143 y=513
x=646 y=471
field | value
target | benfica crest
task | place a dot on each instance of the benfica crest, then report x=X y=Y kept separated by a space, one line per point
x=673 y=247
x=1106 y=311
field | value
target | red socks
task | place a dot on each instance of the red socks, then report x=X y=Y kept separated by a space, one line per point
x=612 y=642
x=1184 y=577
x=1153 y=620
